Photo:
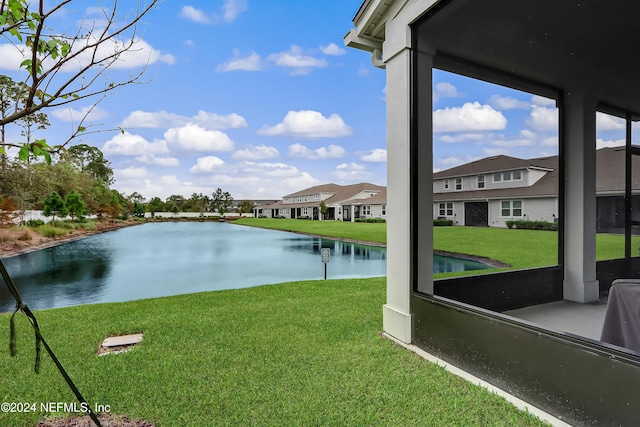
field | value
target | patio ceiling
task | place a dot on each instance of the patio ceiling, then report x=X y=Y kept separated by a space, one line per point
x=591 y=45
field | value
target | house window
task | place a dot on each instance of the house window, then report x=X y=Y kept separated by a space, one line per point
x=366 y=210
x=511 y=208
x=384 y=209
x=305 y=211
x=458 y=184
x=480 y=181
x=445 y=209
x=507 y=176
x=446 y=184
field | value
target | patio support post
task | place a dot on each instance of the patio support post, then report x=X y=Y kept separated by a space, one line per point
x=579 y=125
x=397 y=58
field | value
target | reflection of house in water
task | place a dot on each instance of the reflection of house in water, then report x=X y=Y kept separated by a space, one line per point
x=548 y=49
x=353 y=250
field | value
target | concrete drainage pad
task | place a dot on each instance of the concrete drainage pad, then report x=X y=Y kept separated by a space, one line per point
x=119 y=344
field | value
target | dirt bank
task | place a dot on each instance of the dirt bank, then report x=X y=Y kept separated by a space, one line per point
x=19 y=241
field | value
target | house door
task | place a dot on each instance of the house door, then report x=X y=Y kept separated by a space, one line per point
x=476 y=214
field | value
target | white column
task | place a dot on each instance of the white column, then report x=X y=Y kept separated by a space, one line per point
x=353 y=213
x=397 y=58
x=579 y=116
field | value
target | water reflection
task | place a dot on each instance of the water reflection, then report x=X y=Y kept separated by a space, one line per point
x=162 y=259
x=442 y=264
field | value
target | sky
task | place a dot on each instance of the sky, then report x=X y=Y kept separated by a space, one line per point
x=262 y=99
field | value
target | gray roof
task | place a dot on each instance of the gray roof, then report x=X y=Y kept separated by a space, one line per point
x=341 y=193
x=610 y=176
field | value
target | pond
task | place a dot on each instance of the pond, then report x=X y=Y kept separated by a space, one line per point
x=162 y=259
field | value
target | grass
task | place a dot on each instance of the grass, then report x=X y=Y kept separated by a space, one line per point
x=517 y=248
x=369 y=232
x=289 y=354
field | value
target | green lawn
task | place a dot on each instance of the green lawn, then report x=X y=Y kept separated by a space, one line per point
x=306 y=353
x=369 y=232
x=517 y=248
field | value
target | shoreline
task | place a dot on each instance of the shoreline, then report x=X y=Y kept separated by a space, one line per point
x=491 y=262
x=46 y=242
x=19 y=247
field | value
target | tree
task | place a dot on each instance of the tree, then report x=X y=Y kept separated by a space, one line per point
x=246 y=206
x=221 y=201
x=323 y=209
x=60 y=67
x=90 y=160
x=74 y=204
x=197 y=203
x=155 y=205
x=54 y=205
x=175 y=199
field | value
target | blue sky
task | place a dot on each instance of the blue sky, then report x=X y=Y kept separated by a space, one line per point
x=263 y=99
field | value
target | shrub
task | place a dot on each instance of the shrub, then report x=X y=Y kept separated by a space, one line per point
x=442 y=222
x=88 y=226
x=372 y=220
x=304 y=217
x=34 y=223
x=65 y=225
x=532 y=225
x=52 y=232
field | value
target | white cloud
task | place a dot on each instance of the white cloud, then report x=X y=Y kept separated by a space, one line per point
x=206 y=164
x=507 y=103
x=279 y=169
x=233 y=8
x=12 y=56
x=462 y=137
x=512 y=142
x=452 y=161
x=469 y=117
x=296 y=60
x=139 y=55
x=330 y=152
x=351 y=172
x=308 y=124
x=609 y=122
x=543 y=118
x=130 y=173
x=444 y=90
x=87 y=113
x=196 y=138
x=164 y=119
x=332 y=49
x=126 y=144
x=256 y=152
x=252 y=62
x=158 y=161
x=375 y=155
x=196 y=15
x=551 y=141
x=600 y=143
x=542 y=101
x=217 y=121
x=363 y=71
x=304 y=180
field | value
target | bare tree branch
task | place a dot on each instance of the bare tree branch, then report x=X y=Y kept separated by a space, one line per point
x=91 y=53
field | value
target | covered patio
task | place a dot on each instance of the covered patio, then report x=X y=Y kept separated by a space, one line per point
x=582 y=55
